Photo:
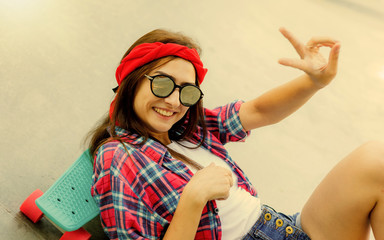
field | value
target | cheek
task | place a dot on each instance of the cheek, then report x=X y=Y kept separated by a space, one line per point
x=142 y=96
x=182 y=113
x=184 y=110
x=139 y=108
x=136 y=107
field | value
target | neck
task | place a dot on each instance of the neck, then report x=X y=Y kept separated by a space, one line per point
x=162 y=137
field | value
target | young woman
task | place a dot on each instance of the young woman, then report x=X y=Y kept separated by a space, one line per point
x=162 y=171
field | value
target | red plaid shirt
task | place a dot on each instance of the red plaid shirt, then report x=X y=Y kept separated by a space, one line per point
x=138 y=191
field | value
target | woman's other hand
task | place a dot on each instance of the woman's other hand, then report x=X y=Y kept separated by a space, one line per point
x=210 y=183
x=311 y=60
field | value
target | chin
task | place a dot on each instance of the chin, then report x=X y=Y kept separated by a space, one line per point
x=161 y=129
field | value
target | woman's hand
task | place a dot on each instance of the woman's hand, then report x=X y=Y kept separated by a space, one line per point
x=210 y=183
x=311 y=61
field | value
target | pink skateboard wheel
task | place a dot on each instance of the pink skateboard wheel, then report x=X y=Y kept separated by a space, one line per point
x=29 y=207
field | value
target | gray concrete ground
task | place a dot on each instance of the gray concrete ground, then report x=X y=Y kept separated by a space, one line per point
x=57 y=63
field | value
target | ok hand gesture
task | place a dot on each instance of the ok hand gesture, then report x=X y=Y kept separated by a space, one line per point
x=311 y=61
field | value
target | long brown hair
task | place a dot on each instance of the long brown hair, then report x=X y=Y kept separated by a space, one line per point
x=125 y=115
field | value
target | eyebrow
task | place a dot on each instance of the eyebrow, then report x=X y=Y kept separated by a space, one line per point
x=172 y=77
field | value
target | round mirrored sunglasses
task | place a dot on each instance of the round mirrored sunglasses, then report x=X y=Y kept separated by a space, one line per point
x=163 y=86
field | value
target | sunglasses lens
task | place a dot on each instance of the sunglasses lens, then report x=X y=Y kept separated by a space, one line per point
x=190 y=95
x=162 y=86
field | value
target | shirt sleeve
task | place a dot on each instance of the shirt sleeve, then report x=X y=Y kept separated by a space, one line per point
x=134 y=219
x=224 y=122
x=125 y=211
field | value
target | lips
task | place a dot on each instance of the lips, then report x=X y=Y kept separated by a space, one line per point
x=163 y=112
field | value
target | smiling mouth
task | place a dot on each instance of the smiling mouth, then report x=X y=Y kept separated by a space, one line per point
x=163 y=112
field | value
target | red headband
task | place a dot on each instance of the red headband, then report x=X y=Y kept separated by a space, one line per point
x=147 y=52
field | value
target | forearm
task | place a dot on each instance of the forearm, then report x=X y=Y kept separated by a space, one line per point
x=282 y=101
x=210 y=183
x=186 y=218
x=278 y=103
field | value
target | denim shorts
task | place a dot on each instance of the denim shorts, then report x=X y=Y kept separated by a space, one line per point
x=272 y=225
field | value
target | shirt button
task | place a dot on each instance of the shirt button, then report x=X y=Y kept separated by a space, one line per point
x=216 y=210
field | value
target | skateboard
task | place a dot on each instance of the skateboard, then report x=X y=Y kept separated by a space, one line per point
x=68 y=203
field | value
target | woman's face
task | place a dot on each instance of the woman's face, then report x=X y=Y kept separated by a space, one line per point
x=160 y=114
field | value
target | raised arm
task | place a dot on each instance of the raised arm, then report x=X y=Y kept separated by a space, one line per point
x=280 y=102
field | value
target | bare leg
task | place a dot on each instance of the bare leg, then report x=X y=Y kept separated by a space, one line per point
x=349 y=199
x=377 y=218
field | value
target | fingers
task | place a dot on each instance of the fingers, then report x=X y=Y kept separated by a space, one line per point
x=294 y=63
x=224 y=172
x=220 y=178
x=321 y=42
x=334 y=58
x=314 y=42
x=311 y=60
x=299 y=47
x=228 y=175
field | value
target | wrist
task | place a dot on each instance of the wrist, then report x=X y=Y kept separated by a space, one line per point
x=314 y=84
x=186 y=217
x=193 y=196
x=322 y=82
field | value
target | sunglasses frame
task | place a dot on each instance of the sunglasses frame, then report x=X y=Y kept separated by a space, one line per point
x=151 y=78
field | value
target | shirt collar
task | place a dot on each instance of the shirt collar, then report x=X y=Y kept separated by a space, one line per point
x=152 y=148
x=156 y=151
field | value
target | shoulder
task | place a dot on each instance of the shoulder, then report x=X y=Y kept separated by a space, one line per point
x=126 y=157
x=113 y=154
x=225 y=110
x=224 y=122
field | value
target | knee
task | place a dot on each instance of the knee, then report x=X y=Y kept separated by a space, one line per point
x=371 y=158
x=374 y=149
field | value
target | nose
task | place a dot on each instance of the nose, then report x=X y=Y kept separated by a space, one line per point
x=173 y=99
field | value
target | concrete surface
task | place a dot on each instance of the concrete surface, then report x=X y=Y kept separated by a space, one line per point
x=57 y=63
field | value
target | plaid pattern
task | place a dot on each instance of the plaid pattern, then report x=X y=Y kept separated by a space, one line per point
x=138 y=191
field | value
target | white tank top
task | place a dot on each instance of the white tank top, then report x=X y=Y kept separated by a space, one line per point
x=240 y=211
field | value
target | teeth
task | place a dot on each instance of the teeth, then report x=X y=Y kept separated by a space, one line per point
x=163 y=112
